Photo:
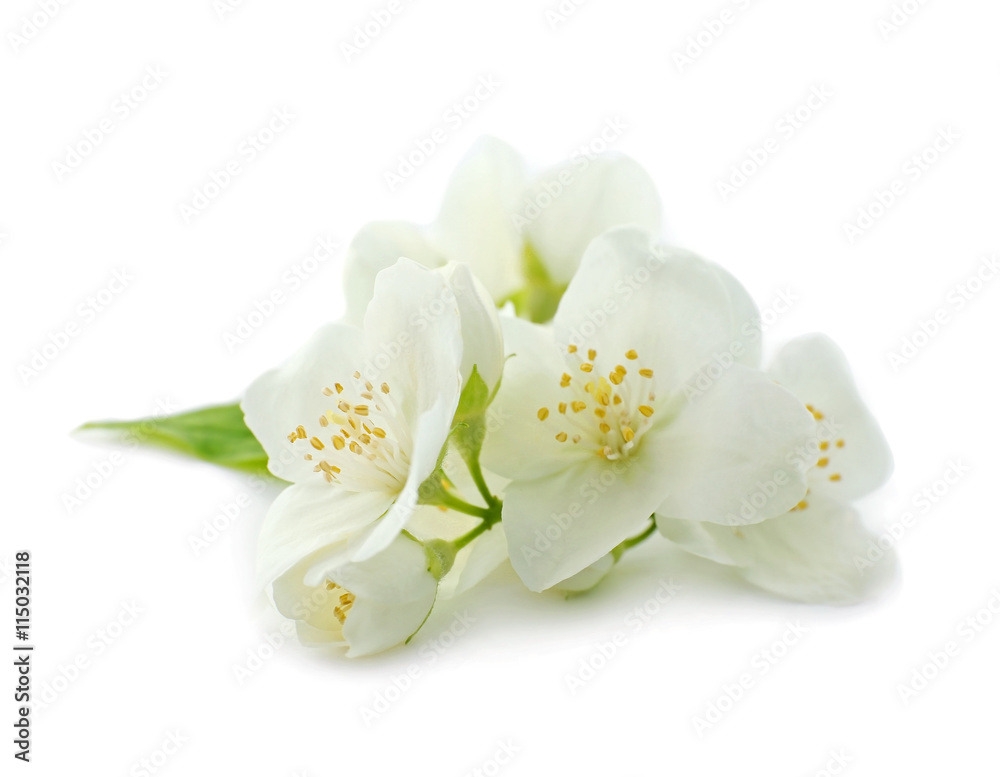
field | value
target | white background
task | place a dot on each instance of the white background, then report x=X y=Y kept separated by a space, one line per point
x=505 y=680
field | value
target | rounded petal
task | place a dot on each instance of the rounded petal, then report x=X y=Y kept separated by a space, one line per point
x=281 y=399
x=518 y=445
x=309 y=517
x=680 y=313
x=475 y=562
x=429 y=436
x=588 y=197
x=729 y=454
x=376 y=246
x=413 y=335
x=558 y=525
x=588 y=578
x=476 y=224
x=854 y=454
x=819 y=554
x=481 y=336
x=392 y=594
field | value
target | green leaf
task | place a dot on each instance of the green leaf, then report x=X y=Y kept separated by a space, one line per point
x=216 y=434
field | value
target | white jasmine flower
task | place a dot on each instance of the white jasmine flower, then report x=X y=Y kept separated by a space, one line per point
x=523 y=237
x=601 y=428
x=367 y=606
x=811 y=552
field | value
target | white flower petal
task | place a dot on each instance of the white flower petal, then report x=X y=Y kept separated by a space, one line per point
x=475 y=562
x=856 y=453
x=727 y=457
x=475 y=224
x=375 y=247
x=394 y=591
x=414 y=337
x=589 y=577
x=680 y=313
x=585 y=198
x=518 y=445
x=558 y=525
x=283 y=398
x=391 y=595
x=481 y=335
x=429 y=436
x=819 y=554
x=309 y=517
x=375 y=626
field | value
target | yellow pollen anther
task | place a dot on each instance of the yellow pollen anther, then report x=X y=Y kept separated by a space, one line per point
x=586 y=367
x=571 y=348
x=600 y=412
x=646 y=410
x=355 y=448
x=802 y=505
x=543 y=413
x=616 y=378
x=604 y=427
x=646 y=372
x=618 y=400
x=361 y=409
x=379 y=432
x=561 y=436
x=631 y=354
x=578 y=406
x=338 y=387
x=621 y=369
x=824 y=445
x=835 y=477
x=327 y=391
x=368 y=385
x=338 y=442
x=564 y=381
x=628 y=434
x=823 y=462
x=300 y=432
x=576 y=438
x=317 y=443
x=343 y=406
x=840 y=443
x=562 y=407
x=592 y=354
x=323 y=421
x=357 y=375
x=385 y=388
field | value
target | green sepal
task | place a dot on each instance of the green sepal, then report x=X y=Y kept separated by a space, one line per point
x=440 y=557
x=469 y=429
x=539 y=298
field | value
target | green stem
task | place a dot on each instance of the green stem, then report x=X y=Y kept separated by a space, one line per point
x=491 y=518
x=454 y=503
x=631 y=542
x=479 y=479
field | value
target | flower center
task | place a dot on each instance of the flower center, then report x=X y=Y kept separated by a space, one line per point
x=344 y=600
x=829 y=447
x=606 y=413
x=361 y=441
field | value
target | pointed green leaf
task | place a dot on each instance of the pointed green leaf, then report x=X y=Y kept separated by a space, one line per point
x=214 y=434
